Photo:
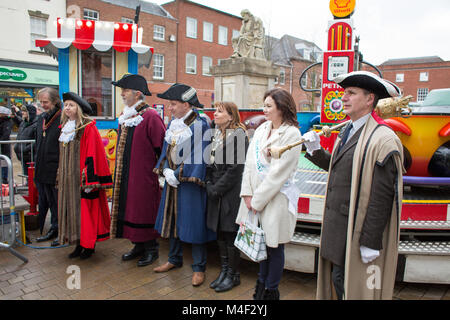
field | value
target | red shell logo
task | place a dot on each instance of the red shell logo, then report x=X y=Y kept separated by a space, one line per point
x=341 y=3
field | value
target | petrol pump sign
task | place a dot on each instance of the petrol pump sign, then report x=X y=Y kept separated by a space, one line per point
x=334 y=64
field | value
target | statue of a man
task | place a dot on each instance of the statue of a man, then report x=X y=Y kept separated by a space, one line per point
x=258 y=35
x=243 y=47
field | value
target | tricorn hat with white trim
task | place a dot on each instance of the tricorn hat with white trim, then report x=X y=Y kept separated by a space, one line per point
x=369 y=81
x=183 y=93
x=134 y=82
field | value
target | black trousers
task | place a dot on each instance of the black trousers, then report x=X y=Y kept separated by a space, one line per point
x=48 y=199
x=338 y=275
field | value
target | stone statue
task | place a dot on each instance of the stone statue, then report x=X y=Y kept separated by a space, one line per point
x=250 y=43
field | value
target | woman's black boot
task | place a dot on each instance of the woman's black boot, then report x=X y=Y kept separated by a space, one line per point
x=233 y=277
x=224 y=264
x=271 y=294
x=259 y=290
x=87 y=253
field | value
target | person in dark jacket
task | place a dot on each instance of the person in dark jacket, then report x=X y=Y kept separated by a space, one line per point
x=26 y=152
x=223 y=184
x=47 y=158
x=5 y=132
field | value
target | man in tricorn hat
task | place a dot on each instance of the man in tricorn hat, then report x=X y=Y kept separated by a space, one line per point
x=360 y=230
x=136 y=192
x=182 y=211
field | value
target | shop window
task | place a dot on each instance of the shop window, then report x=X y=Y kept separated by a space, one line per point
x=206 y=64
x=158 y=66
x=191 y=28
x=89 y=14
x=208 y=31
x=38 y=30
x=191 y=63
x=223 y=35
x=95 y=81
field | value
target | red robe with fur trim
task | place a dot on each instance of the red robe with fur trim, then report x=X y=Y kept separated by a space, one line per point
x=95 y=173
x=83 y=216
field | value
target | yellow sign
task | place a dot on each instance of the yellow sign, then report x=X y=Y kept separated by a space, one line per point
x=342 y=8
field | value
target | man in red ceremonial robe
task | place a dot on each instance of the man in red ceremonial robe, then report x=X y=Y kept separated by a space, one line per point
x=136 y=192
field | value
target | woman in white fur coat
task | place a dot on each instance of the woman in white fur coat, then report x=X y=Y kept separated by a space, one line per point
x=268 y=189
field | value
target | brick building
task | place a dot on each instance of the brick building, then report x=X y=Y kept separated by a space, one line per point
x=293 y=56
x=417 y=76
x=204 y=37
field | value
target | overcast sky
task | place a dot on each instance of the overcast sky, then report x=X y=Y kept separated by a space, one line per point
x=388 y=29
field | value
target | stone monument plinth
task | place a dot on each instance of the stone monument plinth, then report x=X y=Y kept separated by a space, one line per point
x=243 y=81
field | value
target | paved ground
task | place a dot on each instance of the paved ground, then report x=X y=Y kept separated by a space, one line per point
x=105 y=276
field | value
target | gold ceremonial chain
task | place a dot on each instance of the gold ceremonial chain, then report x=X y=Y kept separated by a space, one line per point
x=45 y=126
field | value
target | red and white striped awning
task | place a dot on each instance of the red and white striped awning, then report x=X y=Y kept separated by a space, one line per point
x=102 y=35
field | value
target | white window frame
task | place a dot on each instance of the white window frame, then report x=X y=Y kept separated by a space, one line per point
x=221 y=40
x=89 y=14
x=423 y=77
x=126 y=20
x=235 y=34
x=188 y=66
x=208 y=31
x=400 y=77
x=158 y=66
x=282 y=77
x=191 y=23
x=37 y=33
x=422 y=94
x=205 y=71
x=159 y=32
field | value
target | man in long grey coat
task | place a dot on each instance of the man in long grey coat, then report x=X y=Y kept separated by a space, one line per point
x=360 y=230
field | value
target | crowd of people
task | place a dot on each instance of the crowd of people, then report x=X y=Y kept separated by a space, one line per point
x=206 y=198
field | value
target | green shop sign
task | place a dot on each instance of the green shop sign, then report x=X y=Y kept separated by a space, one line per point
x=26 y=75
x=15 y=74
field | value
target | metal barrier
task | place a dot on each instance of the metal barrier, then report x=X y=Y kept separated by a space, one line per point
x=12 y=214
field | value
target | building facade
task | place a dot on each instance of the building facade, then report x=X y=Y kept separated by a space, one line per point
x=417 y=76
x=204 y=37
x=24 y=68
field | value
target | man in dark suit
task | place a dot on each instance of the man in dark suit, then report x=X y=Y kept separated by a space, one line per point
x=47 y=159
x=362 y=191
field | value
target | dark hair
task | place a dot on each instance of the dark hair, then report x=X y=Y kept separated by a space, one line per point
x=285 y=103
x=232 y=109
x=375 y=97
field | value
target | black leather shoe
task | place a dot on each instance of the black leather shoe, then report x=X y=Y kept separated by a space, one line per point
x=51 y=234
x=137 y=251
x=147 y=258
x=55 y=243
x=76 y=252
x=86 y=253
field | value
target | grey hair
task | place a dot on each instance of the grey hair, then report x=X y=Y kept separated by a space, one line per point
x=141 y=95
x=53 y=95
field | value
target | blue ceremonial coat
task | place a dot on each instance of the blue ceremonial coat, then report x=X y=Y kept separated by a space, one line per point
x=189 y=198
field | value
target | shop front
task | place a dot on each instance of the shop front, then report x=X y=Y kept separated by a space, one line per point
x=20 y=81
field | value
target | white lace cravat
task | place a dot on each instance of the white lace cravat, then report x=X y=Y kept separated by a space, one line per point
x=130 y=117
x=68 y=132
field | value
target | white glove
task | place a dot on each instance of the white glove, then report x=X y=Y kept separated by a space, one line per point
x=87 y=190
x=312 y=141
x=170 y=177
x=368 y=255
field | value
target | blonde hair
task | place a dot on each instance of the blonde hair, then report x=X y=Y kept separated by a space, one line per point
x=81 y=120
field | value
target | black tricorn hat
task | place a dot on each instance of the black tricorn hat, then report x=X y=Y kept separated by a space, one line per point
x=133 y=81
x=84 y=105
x=183 y=93
x=369 y=81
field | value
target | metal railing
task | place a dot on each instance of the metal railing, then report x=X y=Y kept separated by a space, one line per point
x=24 y=163
x=9 y=243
